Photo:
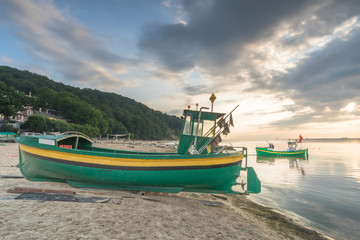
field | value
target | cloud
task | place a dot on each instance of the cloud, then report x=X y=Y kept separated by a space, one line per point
x=215 y=33
x=302 y=53
x=299 y=50
x=62 y=43
x=325 y=82
x=169 y=44
x=5 y=60
x=327 y=77
x=196 y=89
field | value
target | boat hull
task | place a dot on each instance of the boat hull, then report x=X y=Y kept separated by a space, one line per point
x=269 y=152
x=163 y=172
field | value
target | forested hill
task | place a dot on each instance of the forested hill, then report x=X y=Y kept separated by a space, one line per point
x=108 y=112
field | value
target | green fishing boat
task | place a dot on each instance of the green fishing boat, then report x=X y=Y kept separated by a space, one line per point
x=291 y=152
x=199 y=165
x=7 y=136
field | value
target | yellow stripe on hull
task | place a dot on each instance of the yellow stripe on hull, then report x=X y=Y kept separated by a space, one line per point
x=130 y=162
x=285 y=153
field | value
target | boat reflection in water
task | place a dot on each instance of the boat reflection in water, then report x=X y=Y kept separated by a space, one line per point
x=294 y=162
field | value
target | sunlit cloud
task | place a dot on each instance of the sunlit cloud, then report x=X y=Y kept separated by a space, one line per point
x=349 y=108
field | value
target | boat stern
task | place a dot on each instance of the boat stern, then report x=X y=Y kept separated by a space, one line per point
x=253 y=183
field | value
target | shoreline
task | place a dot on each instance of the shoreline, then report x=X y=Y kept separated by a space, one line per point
x=136 y=215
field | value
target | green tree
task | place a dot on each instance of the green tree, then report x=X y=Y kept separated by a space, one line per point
x=87 y=129
x=9 y=128
x=11 y=101
x=35 y=123
x=46 y=98
x=38 y=123
x=105 y=112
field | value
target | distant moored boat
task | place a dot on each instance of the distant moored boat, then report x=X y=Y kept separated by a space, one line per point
x=292 y=150
x=7 y=136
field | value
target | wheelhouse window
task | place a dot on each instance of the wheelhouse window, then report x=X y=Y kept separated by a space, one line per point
x=197 y=130
x=205 y=128
x=209 y=128
x=187 y=125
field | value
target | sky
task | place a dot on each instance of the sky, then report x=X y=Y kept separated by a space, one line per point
x=293 y=67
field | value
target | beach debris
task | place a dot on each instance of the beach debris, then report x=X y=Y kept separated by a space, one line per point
x=8 y=197
x=60 y=197
x=219 y=196
x=36 y=190
x=212 y=203
x=11 y=176
x=115 y=201
x=122 y=194
x=141 y=197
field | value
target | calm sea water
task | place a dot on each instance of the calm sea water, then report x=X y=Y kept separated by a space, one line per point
x=323 y=192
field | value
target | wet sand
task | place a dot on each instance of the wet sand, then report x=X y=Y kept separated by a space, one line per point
x=135 y=215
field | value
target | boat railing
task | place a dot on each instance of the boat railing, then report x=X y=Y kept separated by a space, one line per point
x=222 y=126
x=75 y=133
x=223 y=148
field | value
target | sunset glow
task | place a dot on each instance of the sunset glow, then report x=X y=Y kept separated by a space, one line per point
x=292 y=68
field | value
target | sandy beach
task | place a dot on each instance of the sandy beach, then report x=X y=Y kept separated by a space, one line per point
x=134 y=215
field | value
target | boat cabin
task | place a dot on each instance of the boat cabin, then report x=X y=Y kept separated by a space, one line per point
x=292 y=145
x=70 y=140
x=199 y=130
x=74 y=141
